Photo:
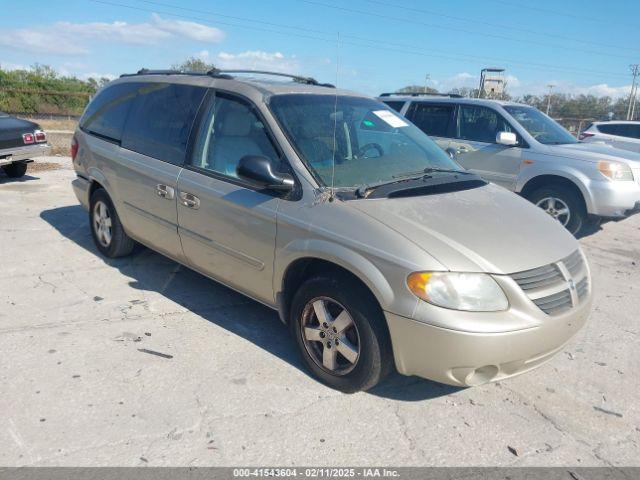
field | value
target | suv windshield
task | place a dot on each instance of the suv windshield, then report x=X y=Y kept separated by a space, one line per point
x=373 y=144
x=542 y=128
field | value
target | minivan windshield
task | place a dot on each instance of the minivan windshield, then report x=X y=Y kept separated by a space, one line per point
x=373 y=144
x=542 y=128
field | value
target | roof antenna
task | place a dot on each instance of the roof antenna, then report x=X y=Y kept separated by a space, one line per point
x=335 y=122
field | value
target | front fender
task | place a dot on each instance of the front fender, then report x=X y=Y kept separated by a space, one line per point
x=575 y=176
x=335 y=253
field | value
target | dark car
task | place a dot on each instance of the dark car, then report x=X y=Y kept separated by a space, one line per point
x=20 y=142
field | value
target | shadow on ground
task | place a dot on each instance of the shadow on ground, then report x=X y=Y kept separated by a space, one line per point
x=5 y=179
x=218 y=304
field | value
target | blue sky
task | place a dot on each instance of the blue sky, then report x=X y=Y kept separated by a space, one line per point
x=378 y=45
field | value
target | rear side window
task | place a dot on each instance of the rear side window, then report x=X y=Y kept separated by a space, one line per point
x=397 y=106
x=160 y=120
x=432 y=119
x=107 y=113
x=621 y=129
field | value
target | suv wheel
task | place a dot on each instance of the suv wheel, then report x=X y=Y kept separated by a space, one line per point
x=106 y=229
x=341 y=333
x=562 y=204
x=16 y=169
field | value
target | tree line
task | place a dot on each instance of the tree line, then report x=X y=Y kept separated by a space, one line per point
x=42 y=90
x=562 y=106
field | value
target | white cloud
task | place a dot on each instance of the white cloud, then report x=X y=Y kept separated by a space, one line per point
x=96 y=75
x=257 y=60
x=8 y=66
x=191 y=30
x=459 y=80
x=67 y=38
x=560 y=86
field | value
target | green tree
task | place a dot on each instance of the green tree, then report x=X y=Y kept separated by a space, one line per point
x=417 y=89
x=193 y=64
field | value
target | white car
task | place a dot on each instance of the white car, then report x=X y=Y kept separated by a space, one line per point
x=624 y=135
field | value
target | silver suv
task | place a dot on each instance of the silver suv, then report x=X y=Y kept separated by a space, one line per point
x=520 y=148
x=624 y=135
x=376 y=248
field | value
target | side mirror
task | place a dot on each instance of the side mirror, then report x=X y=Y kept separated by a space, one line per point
x=452 y=152
x=259 y=171
x=508 y=139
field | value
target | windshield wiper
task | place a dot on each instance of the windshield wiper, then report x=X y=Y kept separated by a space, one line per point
x=364 y=190
x=430 y=170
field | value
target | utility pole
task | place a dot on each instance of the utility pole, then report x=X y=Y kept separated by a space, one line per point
x=635 y=71
x=549 y=98
x=427 y=77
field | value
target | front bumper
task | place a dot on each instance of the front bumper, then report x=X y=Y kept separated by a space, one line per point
x=614 y=199
x=28 y=152
x=464 y=358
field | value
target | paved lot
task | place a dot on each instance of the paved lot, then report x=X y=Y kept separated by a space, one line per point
x=77 y=390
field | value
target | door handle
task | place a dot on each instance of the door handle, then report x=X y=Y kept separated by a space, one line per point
x=463 y=149
x=189 y=200
x=165 y=191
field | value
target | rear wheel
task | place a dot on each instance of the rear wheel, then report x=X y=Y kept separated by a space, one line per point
x=341 y=333
x=562 y=204
x=106 y=229
x=16 y=169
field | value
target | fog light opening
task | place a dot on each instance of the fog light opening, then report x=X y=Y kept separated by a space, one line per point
x=481 y=375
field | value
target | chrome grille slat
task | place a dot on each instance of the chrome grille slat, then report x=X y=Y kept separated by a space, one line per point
x=548 y=287
x=557 y=310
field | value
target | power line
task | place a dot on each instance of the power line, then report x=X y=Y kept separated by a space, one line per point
x=377 y=44
x=556 y=12
x=450 y=28
x=466 y=57
x=501 y=26
x=332 y=34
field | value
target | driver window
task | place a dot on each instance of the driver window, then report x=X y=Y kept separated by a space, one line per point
x=229 y=131
x=481 y=124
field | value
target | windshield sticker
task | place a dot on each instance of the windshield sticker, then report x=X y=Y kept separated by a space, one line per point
x=390 y=118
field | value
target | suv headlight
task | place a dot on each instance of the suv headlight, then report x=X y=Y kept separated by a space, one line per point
x=474 y=292
x=615 y=170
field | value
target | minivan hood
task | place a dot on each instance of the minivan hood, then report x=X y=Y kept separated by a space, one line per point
x=595 y=152
x=486 y=229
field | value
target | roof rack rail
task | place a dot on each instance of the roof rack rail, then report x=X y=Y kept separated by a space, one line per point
x=147 y=71
x=421 y=94
x=228 y=75
x=295 y=78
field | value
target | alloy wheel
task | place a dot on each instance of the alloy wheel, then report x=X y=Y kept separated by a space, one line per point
x=330 y=336
x=102 y=223
x=557 y=208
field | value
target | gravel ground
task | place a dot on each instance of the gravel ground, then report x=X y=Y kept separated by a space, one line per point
x=78 y=387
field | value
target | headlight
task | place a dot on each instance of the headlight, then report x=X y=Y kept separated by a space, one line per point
x=475 y=292
x=615 y=170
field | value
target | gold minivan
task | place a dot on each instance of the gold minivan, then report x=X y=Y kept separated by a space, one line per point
x=376 y=248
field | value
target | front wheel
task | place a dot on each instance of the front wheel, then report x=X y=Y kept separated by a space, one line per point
x=16 y=169
x=341 y=333
x=563 y=205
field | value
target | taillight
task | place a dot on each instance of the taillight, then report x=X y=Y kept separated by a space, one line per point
x=74 y=148
x=28 y=138
x=40 y=136
x=584 y=135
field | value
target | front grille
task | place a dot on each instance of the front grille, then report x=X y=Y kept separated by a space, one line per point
x=538 y=277
x=557 y=287
x=556 y=303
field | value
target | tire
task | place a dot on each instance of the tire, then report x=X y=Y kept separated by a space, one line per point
x=554 y=199
x=368 y=333
x=111 y=240
x=16 y=169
